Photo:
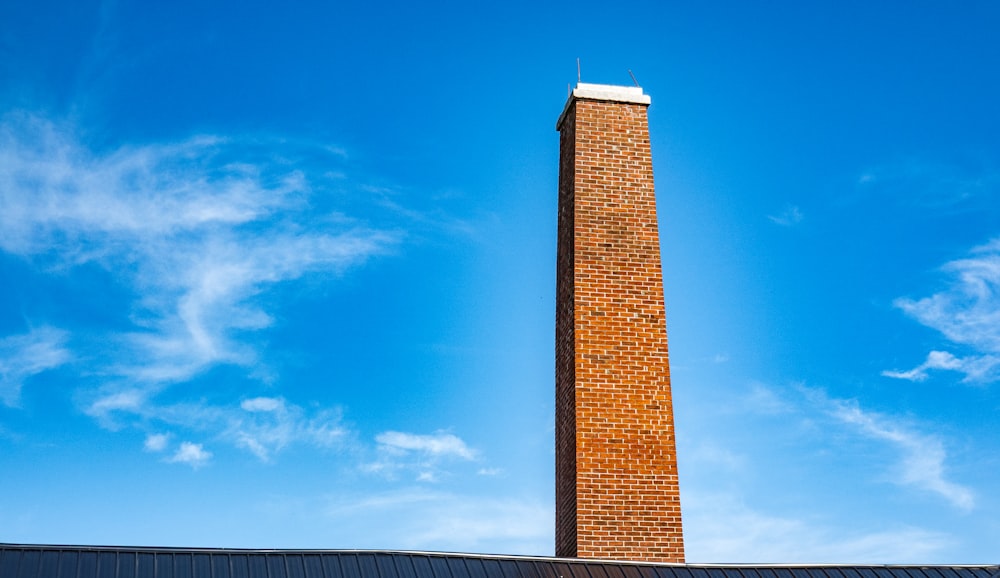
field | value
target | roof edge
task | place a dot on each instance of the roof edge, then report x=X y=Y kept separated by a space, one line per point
x=279 y=551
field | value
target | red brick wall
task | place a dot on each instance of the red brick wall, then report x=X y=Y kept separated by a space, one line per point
x=617 y=494
x=565 y=348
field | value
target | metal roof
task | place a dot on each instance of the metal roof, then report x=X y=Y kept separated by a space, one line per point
x=27 y=561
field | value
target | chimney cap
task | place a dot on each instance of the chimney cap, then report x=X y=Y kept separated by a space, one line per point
x=605 y=92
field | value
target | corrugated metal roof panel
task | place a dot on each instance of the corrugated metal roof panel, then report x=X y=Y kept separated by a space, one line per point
x=404 y=567
x=562 y=570
x=127 y=564
x=144 y=565
x=475 y=567
x=384 y=566
x=947 y=572
x=598 y=570
x=21 y=561
x=752 y=573
x=458 y=568
x=421 y=565
x=493 y=569
x=542 y=569
x=696 y=572
x=521 y=569
x=219 y=566
x=350 y=567
x=48 y=564
x=25 y=565
x=720 y=573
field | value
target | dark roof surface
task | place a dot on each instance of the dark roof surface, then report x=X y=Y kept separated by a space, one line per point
x=20 y=561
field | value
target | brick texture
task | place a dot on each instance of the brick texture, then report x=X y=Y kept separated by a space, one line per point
x=617 y=493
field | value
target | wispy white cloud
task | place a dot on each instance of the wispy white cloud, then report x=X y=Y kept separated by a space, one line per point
x=977 y=368
x=191 y=454
x=156 y=442
x=437 y=444
x=268 y=425
x=266 y=404
x=107 y=405
x=429 y=520
x=720 y=528
x=28 y=354
x=790 y=216
x=421 y=453
x=263 y=426
x=198 y=229
x=765 y=400
x=967 y=313
x=736 y=508
x=432 y=217
x=922 y=455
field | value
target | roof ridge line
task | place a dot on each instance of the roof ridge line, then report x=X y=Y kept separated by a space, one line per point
x=315 y=551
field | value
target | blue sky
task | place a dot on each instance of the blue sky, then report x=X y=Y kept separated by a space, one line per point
x=283 y=275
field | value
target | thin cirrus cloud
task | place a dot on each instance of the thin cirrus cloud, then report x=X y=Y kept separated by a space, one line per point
x=720 y=527
x=191 y=454
x=977 y=368
x=263 y=426
x=789 y=217
x=197 y=232
x=268 y=425
x=439 y=444
x=156 y=442
x=922 y=456
x=419 y=453
x=26 y=355
x=722 y=523
x=966 y=313
x=425 y=519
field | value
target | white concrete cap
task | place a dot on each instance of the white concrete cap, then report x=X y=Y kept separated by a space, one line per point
x=610 y=92
x=606 y=92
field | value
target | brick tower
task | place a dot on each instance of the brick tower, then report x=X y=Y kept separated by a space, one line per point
x=617 y=495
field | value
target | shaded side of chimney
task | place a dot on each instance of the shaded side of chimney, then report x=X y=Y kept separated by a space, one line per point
x=617 y=492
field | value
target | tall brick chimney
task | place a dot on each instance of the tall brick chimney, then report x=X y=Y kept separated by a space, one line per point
x=617 y=495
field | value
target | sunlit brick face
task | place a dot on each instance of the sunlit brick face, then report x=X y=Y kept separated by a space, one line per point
x=617 y=493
